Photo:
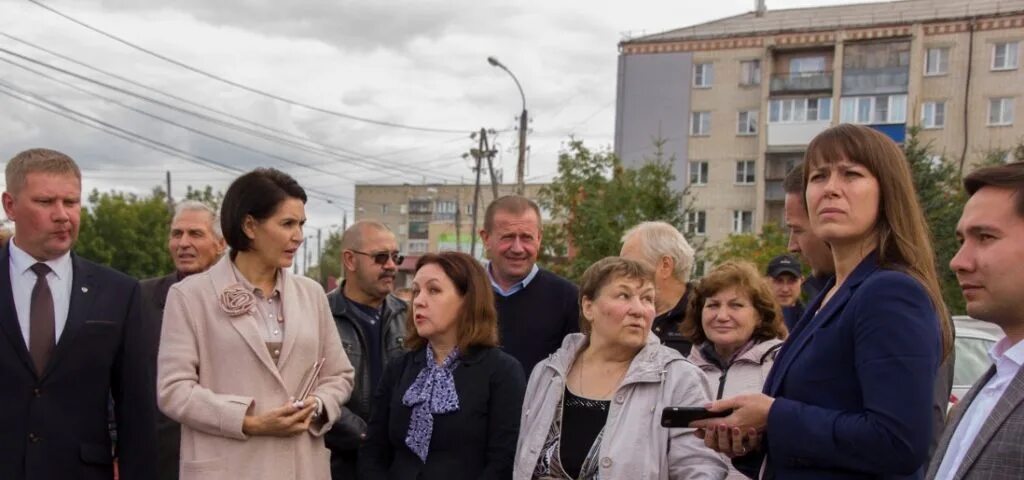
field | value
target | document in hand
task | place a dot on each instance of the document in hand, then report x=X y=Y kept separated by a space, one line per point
x=310 y=380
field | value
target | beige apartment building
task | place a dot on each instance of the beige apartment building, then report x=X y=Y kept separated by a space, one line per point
x=431 y=217
x=737 y=100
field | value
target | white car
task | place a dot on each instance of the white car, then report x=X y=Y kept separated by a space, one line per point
x=974 y=339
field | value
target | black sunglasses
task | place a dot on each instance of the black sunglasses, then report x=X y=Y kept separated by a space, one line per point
x=381 y=258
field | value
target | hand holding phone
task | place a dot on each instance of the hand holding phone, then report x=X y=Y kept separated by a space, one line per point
x=681 y=417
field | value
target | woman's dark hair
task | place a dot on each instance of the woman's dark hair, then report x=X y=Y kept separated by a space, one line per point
x=744 y=277
x=476 y=323
x=256 y=194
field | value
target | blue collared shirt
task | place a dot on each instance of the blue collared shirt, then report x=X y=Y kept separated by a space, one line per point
x=515 y=286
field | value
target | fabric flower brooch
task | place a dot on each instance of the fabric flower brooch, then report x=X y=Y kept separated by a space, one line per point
x=235 y=300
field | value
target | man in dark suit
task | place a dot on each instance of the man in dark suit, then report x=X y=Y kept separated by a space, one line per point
x=196 y=243
x=983 y=437
x=72 y=337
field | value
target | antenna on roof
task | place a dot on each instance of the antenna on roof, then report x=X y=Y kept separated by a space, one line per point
x=759 y=8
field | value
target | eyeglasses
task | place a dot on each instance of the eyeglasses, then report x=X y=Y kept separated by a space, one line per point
x=381 y=258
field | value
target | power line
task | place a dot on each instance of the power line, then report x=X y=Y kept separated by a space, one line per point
x=93 y=122
x=246 y=87
x=334 y=156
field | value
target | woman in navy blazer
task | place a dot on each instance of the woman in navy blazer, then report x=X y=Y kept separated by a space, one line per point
x=850 y=393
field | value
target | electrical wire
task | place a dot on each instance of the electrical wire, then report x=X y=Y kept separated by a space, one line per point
x=243 y=86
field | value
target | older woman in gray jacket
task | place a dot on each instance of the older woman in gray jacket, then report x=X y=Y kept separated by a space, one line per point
x=593 y=408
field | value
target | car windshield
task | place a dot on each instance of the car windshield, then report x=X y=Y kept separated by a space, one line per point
x=972 y=360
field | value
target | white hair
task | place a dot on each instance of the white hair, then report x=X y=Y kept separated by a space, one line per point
x=197 y=206
x=660 y=239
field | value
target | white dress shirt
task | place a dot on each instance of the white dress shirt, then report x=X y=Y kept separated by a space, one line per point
x=23 y=280
x=1008 y=359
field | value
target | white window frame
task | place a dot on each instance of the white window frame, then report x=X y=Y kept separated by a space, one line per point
x=702 y=173
x=748 y=125
x=812 y=60
x=933 y=114
x=938 y=65
x=750 y=72
x=696 y=222
x=798 y=110
x=741 y=218
x=861 y=106
x=697 y=126
x=703 y=74
x=1006 y=111
x=1010 y=55
x=746 y=172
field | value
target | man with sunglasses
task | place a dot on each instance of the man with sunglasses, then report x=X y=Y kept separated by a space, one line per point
x=371 y=322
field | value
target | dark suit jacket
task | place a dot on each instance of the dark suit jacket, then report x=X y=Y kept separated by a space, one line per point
x=54 y=426
x=168 y=432
x=998 y=451
x=853 y=386
x=476 y=442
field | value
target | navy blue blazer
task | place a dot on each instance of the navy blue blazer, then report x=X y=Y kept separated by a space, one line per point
x=853 y=385
x=54 y=425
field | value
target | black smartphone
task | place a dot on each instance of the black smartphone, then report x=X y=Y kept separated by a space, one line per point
x=680 y=417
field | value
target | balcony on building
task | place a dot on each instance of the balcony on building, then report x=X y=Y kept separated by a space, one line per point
x=875 y=81
x=801 y=82
x=876 y=68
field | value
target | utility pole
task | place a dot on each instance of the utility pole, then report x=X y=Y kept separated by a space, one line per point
x=490 y=152
x=170 y=200
x=520 y=183
x=458 y=222
x=320 y=261
x=476 y=189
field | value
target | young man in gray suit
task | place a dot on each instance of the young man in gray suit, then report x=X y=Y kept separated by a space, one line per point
x=982 y=439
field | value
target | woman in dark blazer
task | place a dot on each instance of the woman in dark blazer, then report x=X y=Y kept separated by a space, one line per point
x=450 y=408
x=850 y=394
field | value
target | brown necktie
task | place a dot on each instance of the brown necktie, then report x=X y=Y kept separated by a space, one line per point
x=41 y=319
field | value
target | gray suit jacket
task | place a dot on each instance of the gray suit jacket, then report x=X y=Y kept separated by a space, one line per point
x=998 y=450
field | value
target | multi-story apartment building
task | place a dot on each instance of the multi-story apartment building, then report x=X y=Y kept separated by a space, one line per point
x=737 y=100
x=431 y=217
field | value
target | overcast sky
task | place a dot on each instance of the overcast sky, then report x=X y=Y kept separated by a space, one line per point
x=420 y=63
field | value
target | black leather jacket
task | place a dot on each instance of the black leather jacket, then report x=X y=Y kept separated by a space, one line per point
x=346 y=433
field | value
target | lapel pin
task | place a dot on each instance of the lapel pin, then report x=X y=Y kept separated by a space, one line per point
x=85 y=289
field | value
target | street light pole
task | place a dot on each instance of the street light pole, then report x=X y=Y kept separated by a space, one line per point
x=520 y=183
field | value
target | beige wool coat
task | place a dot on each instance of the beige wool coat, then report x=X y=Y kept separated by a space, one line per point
x=214 y=368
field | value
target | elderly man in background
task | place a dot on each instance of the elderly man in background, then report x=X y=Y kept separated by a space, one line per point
x=666 y=250
x=195 y=243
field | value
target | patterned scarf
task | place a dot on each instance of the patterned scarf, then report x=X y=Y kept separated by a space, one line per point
x=433 y=392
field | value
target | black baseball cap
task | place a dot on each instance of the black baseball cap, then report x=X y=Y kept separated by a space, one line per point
x=784 y=264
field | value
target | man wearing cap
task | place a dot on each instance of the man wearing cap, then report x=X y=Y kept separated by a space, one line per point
x=786 y=277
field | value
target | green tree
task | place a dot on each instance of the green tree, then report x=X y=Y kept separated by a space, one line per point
x=127 y=232
x=205 y=195
x=595 y=199
x=329 y=263
x=757 y=248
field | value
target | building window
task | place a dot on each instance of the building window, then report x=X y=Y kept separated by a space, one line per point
x=419 y=230
x=742 y=221
x=383 y=209
x=699 y=267
x=695 y=222
x=698 y=173
x=878 y=109
x=933 y=114
x=807 y=65
x=745 y=172
x=747 y=124
x=750 y=72
x=700 y=123
x=1004 y=56
x=703 y=75
x=418 y=246
x=419 y=206
x=1000 y=111
x=936 y=61
x=793 y=110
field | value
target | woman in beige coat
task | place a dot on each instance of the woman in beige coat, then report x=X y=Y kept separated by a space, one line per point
x=593 y=408
x=240 y=341
x=737 y=328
